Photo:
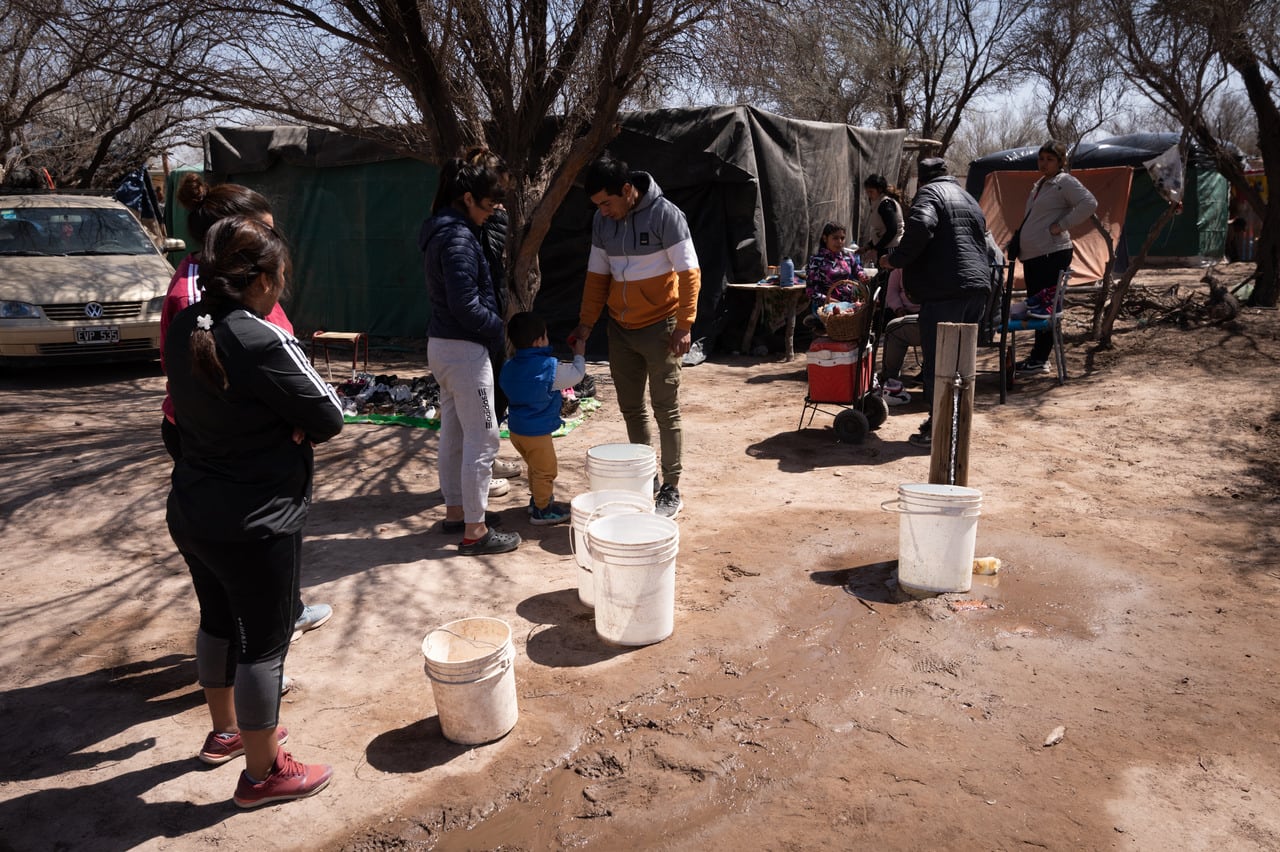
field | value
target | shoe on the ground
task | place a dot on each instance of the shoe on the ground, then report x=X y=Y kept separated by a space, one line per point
x=1031 y=366
x=922 y=437
x=313 y=615
x=219 y=748
x=504 y=469
x=287 y=780
x=668 y=502
x=491 y=519
x=286 y=684
x=498 y=486
x=492 y=541
x=555 y=513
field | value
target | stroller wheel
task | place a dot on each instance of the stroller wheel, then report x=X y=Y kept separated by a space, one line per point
x=851 y=426
x=876 y=410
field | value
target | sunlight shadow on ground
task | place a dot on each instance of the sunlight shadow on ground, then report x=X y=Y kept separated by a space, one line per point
x=876 y=582
x=564 y=633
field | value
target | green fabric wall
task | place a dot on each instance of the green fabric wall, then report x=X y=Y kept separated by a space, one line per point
x=1201 y=228
x=354 y=235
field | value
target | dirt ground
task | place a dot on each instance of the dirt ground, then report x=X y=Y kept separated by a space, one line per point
x=802 y=702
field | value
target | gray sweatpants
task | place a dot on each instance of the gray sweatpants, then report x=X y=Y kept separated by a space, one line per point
x=468 y=425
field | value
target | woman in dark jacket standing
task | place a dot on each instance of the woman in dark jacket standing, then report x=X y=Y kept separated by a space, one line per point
x=248 y=408
x=464 y=332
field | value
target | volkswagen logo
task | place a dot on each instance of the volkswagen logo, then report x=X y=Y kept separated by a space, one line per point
x=93 y=310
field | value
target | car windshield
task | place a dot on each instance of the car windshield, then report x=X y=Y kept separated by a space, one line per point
x=71 y=230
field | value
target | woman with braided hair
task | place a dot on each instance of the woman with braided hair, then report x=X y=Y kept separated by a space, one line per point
x=249 y=407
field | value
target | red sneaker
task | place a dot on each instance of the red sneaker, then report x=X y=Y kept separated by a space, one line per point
x=219 y=748
x=288 y=779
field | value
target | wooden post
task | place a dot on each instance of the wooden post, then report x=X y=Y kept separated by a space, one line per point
x=953 y=402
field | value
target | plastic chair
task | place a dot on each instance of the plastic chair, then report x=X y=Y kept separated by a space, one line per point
x=1053 y=324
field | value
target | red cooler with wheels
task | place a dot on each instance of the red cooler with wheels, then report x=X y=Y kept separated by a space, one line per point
x=836 y=372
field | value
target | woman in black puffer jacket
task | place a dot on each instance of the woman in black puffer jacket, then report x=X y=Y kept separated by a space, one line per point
x=465 y=329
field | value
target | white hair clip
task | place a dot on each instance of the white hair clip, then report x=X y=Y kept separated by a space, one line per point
x=204 y=321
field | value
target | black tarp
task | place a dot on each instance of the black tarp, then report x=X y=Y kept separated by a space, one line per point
x=756 y=187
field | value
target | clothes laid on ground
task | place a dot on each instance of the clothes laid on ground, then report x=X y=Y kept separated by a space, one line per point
x=369 y=398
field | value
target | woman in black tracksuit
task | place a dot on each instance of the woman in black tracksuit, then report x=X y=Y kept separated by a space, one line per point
x=249 y=407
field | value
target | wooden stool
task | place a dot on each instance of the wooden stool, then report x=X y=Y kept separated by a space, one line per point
x=324 y=338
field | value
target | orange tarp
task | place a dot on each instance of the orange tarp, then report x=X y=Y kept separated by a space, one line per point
x=1004 y=201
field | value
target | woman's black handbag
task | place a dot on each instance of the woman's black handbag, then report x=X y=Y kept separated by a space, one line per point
x=1014 y=248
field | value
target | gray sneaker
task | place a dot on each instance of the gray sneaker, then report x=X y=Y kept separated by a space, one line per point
x=668 y=502
x=313 y=615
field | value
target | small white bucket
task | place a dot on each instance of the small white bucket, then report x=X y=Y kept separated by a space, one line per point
x=633 y=560
x=587 y=507
x=471 y=666
x=622 y=467
x=937 y=530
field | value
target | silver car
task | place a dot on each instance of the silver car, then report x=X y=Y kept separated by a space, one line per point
x=79 y=280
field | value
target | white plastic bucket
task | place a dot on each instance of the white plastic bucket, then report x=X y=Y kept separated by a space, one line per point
x=633 y=560
x=582 y=510
x=471 y=666
x=937 y=530
x=622 y=467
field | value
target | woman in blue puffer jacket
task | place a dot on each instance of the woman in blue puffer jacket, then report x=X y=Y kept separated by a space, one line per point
x=465 y=328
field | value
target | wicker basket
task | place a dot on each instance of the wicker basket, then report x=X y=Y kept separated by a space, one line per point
x=849 y=326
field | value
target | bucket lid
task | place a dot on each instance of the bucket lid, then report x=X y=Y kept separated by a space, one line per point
x=939 y=493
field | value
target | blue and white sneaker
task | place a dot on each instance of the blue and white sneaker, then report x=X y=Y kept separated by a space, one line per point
x=555 y=513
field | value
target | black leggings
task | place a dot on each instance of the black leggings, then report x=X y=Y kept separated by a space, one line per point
x=247 y=591
x=1040 y=273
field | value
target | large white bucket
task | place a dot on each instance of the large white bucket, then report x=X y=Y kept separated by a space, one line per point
x=471 y=666
x=937 y=529
x=622 y=467
x=633 y=560
x=585 y=508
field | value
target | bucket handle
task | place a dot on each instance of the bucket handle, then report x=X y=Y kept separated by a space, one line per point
x=895 y=505
x=573 y=550
x=471 y=638
x=499 y=667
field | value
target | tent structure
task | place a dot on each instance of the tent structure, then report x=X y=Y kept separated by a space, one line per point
x=1196 y=235
x=1004 y=197
x=756 y=187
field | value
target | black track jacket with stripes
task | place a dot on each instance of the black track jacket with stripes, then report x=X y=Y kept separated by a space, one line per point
x=241 y=476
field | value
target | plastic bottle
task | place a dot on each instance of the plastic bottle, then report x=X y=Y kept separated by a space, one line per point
x=786 y=273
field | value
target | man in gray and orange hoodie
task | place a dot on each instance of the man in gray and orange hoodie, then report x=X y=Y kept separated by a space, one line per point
x=644 y=268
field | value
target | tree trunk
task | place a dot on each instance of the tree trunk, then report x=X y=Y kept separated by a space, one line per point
x=1266 y=288
x=1122 y=287
x=1108 y=278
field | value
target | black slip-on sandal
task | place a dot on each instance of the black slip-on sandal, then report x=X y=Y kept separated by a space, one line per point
x=492 y=541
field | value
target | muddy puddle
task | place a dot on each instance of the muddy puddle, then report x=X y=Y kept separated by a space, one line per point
x=861 y=675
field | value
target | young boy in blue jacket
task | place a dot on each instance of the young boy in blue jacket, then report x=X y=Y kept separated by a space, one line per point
x=532 y=381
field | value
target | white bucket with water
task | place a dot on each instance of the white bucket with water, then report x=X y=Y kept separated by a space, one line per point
x=633 y=559
x=937 y=529
x=471 y=666
x=622 y=467
x=587 y=507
